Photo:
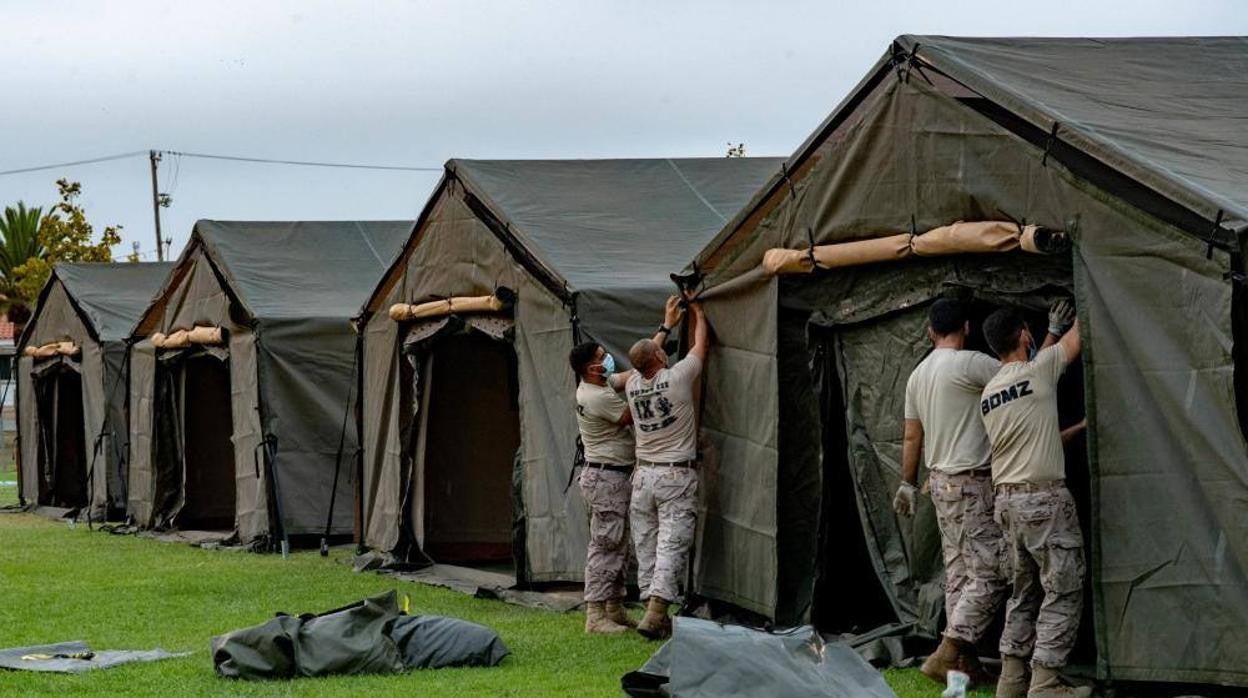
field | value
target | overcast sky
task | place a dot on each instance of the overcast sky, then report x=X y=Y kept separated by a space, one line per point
x=415 y=83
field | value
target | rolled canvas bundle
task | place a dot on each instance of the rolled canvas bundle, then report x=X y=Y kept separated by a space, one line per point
x=957 y=238
x=405 y=312
x=181 y=339
x=51 y=349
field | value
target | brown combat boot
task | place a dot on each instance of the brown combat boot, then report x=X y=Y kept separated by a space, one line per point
x=656 y=625
x=1015 y=677
x=937 y=665
x=1048 y=683
x=597 y=623
x=969 y=664
x=616 y=614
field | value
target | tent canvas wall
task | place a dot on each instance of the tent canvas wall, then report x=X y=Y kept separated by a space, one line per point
x=227 y=434
x=71 y=409
x=1134 y=146
x=586 y=247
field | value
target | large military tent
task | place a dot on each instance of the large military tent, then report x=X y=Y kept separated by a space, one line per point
x=71 y=386
x=1135 y=148
x=241 y=377
x=460 y=405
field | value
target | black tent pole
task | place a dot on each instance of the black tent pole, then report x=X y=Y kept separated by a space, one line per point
x=342 y=442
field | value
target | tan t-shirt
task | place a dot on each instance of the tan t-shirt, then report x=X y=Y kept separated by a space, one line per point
x=1019 y=407
x=598 y=412
x=943 y=394
x=663 y=414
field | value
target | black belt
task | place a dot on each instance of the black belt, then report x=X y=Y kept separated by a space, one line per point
x=677 y=464
x=611 y=467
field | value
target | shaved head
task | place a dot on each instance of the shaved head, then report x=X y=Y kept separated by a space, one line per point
x=646 y=356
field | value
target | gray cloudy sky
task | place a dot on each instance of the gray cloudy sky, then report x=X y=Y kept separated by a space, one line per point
x=414 y=83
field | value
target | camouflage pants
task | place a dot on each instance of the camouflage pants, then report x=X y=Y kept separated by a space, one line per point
x=1046 y=547
x=606 y=494
x=975 y=583
x=663 y=515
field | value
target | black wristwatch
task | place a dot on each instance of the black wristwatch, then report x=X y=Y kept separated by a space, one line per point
x=664 y=329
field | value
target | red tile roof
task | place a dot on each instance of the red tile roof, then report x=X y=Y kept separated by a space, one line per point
x=7 y=331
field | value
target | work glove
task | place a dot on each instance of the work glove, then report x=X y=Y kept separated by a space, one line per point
x=1061 y=317
x=903 y=503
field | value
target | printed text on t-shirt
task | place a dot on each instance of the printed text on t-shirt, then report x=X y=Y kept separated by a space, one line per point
x=1010 y=394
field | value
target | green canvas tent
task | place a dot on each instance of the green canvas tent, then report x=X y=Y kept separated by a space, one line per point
x=1137 y=148
x=71 y=399
x=567 y=251
x=241 y=374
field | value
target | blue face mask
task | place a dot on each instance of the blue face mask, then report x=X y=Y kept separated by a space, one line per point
x=608 y=365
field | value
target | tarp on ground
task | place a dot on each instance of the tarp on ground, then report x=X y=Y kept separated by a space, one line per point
x=588 y=246
x=284 y=292
x=1149 y=147
x=94 y=306
x=705 y=658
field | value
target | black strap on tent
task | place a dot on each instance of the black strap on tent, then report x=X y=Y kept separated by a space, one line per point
x=1048 y=143
x=810 y=251
x=1213 y=234
x=578 y=462
x=784 y=172
x=342 y=444
x=574 y=316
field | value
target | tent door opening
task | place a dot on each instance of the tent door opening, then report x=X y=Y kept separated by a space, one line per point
x=848 y=595
x=208 y=448
x=462 y=511
x=63 y=449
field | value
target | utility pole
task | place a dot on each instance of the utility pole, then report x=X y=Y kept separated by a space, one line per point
x=154 y=156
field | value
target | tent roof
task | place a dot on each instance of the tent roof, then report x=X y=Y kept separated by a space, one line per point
x=615 y=223
x=1170 y=112
x=112 y=296
x=284 y=270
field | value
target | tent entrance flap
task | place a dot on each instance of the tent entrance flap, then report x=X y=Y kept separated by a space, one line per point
x=62 y=446
x=194 y=456
x=848 y=596
x=207 y=436
x=468 y=433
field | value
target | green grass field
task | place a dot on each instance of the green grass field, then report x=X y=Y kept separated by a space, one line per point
x=124 y=592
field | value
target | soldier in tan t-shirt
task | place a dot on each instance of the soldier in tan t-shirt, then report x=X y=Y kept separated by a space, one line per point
x=1036 y=511
x=943 y=422
x=606 y=484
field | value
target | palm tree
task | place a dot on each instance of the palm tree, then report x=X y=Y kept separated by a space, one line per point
x=19 y=241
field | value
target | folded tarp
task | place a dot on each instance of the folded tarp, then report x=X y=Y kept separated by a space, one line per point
x=74 y=657
x=705 y=658
x=369 y=637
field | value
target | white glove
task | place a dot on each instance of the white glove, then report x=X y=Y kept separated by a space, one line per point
x=1061 y=317
x=903 y=503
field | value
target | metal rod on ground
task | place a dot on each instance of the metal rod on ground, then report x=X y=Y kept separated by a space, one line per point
x=270 y=450
x=342 y=442
x=154 y=157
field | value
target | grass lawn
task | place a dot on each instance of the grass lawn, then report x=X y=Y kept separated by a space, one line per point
x=124 y=592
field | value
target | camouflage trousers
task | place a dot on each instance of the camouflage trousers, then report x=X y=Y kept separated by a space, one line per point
x=606 y=494
x=663 y=514
x=973 y=547
x=1046 y=548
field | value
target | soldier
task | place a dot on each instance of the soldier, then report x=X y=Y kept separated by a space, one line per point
x=944 y=425
x=663 y=509
x=1036 y=511
x=605 y=483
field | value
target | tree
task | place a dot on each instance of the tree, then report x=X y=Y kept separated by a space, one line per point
x=64 y=235
x=19 y=242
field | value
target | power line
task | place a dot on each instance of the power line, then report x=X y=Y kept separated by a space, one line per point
x=106 y=158
x=304 y=163
x=233 y=158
